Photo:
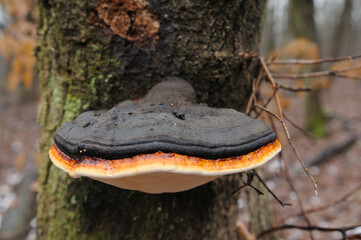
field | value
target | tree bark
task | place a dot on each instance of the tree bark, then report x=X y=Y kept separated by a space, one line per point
x=93 y=54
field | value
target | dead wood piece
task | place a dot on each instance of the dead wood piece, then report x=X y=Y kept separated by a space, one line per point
x=333 y=151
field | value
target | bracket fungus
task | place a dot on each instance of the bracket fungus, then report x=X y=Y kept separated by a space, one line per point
x=162 y=143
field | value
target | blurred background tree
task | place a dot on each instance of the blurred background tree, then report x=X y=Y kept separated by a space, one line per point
x=303 y=30
x=17 y=43
x=302 y=24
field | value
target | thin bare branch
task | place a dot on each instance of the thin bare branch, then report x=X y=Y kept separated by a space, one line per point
x=249 y=104
x=356 y=236
x=291 y=144
x=342 y=230
x=293 y=188
x=343 y=76
x=270 y=191
x=286 y=164
x=307 y=133
x=315 y=74
x=247 y=183
x=259 y=77
x=328 y=205
x=267 y=102
x=290 y=181
x=252 y=98
x=293 y=89
x=274 y=85
x=312 y=61
x=243 y=231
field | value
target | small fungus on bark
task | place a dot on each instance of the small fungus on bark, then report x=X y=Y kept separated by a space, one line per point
x=162 y=143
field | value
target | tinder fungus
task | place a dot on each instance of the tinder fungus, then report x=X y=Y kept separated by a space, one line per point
x=162 y=143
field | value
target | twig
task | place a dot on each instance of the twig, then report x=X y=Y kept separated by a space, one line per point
x=274 y=85
x=346 y=77
x=342 y=230
x=290 y=180
x=267 y=102
x=243 y=231
x=250 y=177
x=249 y=104
x=270 y=191
x=288 y=176
x=312 y=61
x=328 y=205
x=293 y=188
x=354 y=236
x=279 y=107
x=287 y=134
x=298 y=127
x=280 y=117
x=315 y=74
x=252 y=96
x=247 y=183
x=291 y=144
x=235 y=191
x=293 y=89
x=333 y=151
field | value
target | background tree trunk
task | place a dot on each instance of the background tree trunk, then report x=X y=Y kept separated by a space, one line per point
x=302 y=24
x=342 y=29
x=93 y=54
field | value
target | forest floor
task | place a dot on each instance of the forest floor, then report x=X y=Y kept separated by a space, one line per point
x=19 y=156
x=336 y=175
x=19 y=137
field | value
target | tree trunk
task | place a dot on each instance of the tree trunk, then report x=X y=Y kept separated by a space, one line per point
x=268 y=43
x=93 y=54
x=342 y=29
x=302 y=24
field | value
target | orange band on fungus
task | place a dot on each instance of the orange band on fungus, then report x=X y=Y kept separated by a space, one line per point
x=145 y=162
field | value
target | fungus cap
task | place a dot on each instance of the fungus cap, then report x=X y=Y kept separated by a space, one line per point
x=163 y=143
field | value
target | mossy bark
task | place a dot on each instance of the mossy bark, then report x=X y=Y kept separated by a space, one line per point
x=85 y=63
